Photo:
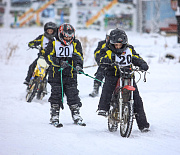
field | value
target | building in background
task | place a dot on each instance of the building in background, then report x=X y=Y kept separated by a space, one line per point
x=137 y=15
x=152 y=15
x=2 y=11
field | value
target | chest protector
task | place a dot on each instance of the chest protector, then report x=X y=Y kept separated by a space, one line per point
x=63 y=51
x=125 y=59
x=45 y=42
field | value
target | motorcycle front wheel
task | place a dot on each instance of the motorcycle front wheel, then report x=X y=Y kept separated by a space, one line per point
x=31 y=92
x=127 y=120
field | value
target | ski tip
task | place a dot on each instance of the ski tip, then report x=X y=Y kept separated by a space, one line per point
x=59 y=125
x=81 y=124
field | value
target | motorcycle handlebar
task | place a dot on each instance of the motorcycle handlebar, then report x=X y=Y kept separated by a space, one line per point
x=133 y=68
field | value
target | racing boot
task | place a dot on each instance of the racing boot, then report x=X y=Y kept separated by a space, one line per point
x=76 y=115
x=54 y=112
x=26 y=83
x=95 y=91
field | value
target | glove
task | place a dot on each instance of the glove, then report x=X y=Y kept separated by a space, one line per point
x=64 y=64
x=79 y=69
x=144 y=67
x=105 y=60
x=31 y=45
x=55 y=60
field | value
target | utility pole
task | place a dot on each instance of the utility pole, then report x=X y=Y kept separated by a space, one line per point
x=178 y=21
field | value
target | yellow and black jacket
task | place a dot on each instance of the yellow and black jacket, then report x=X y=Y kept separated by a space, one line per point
x=40 y=40
x=54 y=62
x=109 y=54
x=101 y=44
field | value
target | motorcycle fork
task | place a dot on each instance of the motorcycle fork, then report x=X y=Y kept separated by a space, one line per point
x=120 y=101
x=126 y=82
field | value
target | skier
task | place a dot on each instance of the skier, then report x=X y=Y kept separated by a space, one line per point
x=100 y=71
x=117 y=48
x=50 y=30
x=60 y=54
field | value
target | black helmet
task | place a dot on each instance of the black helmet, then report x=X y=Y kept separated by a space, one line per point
x=108 y=34
x=50 y=25
x=66 y=30
x=118 y=36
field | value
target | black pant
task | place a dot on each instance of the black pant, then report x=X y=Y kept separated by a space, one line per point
x=99 y=75
x=69 y=89
x=104 y=103
x=31 y=70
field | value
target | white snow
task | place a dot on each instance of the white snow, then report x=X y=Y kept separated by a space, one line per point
x=25 y=128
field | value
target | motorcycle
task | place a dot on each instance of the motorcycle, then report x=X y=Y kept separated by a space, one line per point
x=38 y=81
x=122 y=103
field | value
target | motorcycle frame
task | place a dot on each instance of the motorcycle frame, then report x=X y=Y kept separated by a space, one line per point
x=125 y=83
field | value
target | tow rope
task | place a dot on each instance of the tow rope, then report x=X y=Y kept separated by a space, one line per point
x=61 y=69
x=85 y=74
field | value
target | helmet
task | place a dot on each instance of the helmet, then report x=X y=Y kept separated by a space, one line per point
x=66 y=30
x=118 y=36
x=50 y=25
x=108 y=34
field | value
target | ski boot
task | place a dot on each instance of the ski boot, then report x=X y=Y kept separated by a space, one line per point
x=76 y=115
x=26 y=82
x=54 y=112
x=95 y=91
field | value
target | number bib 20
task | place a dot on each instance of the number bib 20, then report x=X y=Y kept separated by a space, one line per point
x=125 y=59
x=63 y=51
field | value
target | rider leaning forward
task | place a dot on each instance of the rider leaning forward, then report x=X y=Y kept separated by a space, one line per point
x=50 y=31
x=118 y=49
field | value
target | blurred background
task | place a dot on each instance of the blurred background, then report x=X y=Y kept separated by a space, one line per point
x=144 y=16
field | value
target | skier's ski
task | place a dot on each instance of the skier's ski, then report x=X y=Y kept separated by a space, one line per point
x=79 y=122
x=57 y=125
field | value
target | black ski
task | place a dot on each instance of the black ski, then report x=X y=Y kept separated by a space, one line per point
x=79 y=122
x=57 y=125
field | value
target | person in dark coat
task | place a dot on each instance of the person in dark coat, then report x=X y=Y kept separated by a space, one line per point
x=100 y=71
x=117 y=50
x=65 y=57
x=50 y=31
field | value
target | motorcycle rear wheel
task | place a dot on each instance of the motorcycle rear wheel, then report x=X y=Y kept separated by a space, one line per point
x=112 y=123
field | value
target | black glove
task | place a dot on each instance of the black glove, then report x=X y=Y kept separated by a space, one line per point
x=105 y=60
x=79 y=69
x=64 y=64
x=144 y=67
x=55 y=60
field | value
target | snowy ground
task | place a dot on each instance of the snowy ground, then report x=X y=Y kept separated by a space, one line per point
x=25 y=129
